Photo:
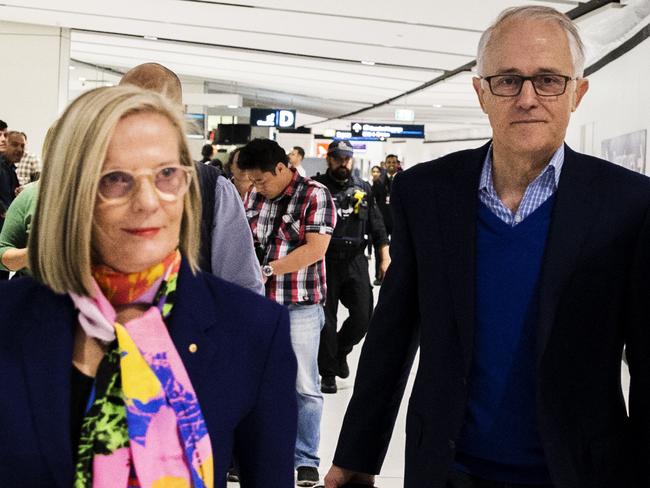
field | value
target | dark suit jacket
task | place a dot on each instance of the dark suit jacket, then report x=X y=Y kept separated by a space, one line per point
x=594 y=297
x=243 y=372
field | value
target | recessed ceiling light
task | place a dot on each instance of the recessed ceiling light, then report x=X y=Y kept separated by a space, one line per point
x=151 y=38
x=437 y=105
x=71 y=67
x=233 y=106
x=82 y=79
x=368 y=63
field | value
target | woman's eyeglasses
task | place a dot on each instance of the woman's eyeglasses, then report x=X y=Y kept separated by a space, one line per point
x=119 y=185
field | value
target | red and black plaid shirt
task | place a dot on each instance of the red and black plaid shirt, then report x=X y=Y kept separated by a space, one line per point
x=309 y=208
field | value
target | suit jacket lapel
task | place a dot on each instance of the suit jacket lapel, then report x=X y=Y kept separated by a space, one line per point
x=47 y=355
x=458 y=204
x=576 y=208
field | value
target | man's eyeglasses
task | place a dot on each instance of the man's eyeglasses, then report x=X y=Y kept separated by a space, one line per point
x=545 y=85
x=170 y=182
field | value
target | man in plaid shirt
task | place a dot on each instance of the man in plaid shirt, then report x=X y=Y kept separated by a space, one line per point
x=292 y=219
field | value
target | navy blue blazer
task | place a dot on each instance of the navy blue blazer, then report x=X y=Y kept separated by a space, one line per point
x=243 y=372
x=594 y=298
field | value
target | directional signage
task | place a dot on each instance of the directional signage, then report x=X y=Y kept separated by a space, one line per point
x=273 y=117
x=384 y=131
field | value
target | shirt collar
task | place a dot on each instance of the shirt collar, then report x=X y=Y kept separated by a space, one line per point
x=554 y=165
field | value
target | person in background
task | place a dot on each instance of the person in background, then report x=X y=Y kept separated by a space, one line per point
x=226 y=242
x=346 y=266
x=375 y=173
x=238 y=177
x=296 y=156
x=15 y=232
x=15 y=148
x=135 y=368
x=206 y=153
x=381 y=188
x=292 y=219
x=521 y=269
x=3 y=136
x=29 y=168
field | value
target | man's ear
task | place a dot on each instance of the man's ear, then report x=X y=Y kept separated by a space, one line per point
x=480 y=92
x=582 y=85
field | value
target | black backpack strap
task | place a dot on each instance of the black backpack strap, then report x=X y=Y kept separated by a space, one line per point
x=207 y=177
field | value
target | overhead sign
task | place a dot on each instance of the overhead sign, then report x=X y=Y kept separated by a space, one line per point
x=404 y=115
x=384 y=131
x=272 y=117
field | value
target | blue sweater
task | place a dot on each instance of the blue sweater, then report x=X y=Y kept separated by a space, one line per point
x=500 y=439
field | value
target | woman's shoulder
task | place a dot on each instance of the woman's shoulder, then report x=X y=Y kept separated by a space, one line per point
x=23 y=297
x=239 y=302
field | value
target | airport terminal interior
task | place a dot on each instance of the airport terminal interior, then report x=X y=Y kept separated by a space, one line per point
x=381 y=77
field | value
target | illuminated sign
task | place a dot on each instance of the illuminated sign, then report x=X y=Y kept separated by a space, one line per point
x=384 y=131
x=404 y=115
x=271 y=117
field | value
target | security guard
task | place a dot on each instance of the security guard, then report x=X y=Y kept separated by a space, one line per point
x=346 y=264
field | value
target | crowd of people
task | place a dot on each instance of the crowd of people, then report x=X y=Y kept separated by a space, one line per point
x=175 y=322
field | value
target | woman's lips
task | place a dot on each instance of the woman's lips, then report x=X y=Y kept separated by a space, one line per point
x=143 y=231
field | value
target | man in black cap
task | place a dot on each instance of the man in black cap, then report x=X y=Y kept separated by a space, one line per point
x=346 y=266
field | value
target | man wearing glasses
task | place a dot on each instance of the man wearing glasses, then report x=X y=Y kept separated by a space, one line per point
x=521 y=269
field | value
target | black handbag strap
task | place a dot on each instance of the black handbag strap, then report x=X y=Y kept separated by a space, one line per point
x=282 y=210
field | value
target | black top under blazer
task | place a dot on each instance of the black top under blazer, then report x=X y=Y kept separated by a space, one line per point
x=243 y=371
x=594 y=299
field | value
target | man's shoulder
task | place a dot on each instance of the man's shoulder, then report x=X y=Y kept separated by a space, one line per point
x=444 y=166
x=612 y=175
x=309 y=186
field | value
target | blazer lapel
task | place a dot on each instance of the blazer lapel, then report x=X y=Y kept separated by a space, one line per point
x=193 y=314
x=576 y=208
x=458 y=204
x=47 y=356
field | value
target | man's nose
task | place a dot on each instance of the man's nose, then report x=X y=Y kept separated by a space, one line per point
x=528 y=96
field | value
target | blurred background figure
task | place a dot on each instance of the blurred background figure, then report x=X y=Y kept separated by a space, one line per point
x=296 y=156
x=29 y=167
x=237 y=176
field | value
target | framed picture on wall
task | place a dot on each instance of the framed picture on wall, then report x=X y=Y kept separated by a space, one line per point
x=628 y=150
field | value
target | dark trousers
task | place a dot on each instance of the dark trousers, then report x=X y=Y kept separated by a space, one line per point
x=463 y=480
x=347 y=282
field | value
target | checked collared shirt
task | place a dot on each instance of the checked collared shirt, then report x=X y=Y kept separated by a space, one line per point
x=537 y=192
x=304 y=206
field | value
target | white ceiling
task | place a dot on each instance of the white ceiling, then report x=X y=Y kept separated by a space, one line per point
x=313 y=56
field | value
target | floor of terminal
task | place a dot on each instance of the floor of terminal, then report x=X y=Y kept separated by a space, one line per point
x=392 y=473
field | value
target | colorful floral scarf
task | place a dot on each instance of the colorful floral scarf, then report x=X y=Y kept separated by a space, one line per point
x=143 y=426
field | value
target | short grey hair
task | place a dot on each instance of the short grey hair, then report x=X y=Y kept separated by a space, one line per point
x=542 y=14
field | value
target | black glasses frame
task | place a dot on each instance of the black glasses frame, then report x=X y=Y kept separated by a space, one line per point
x=532 y=82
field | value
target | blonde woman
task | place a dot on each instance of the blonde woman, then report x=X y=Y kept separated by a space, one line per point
x=122 y=364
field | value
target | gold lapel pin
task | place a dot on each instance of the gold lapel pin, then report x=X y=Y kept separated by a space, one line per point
x=193 y=348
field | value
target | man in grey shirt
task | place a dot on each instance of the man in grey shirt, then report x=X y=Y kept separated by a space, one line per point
x=227 y=245
x=233 y=256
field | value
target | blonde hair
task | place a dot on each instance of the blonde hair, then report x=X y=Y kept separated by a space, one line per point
x=536 y=13
x=60 y=242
